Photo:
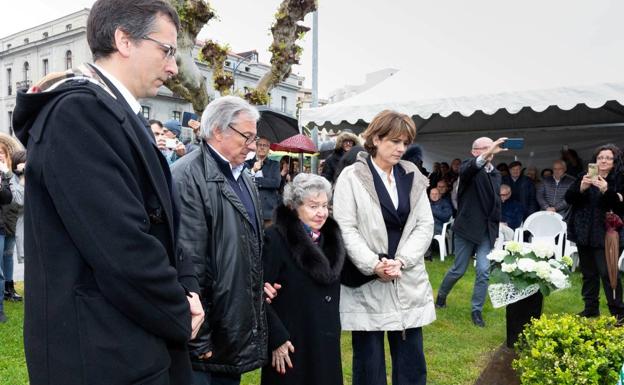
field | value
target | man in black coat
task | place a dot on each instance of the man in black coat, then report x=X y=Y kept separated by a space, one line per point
x=476 y=223
x=221 y=230
x=108 y=300
x=266 y=173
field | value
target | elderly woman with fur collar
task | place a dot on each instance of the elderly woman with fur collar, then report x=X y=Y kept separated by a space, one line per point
x=381 y=205
x=304 y=252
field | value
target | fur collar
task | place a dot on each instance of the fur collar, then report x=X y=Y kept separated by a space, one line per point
x=323 y=262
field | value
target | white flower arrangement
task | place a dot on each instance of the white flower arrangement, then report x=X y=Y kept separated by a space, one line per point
x=521 y=270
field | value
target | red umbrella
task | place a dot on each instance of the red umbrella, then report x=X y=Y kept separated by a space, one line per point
x=297 y=144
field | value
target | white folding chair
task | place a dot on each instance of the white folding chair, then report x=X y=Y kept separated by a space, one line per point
x=442 y=239
x=621 y=262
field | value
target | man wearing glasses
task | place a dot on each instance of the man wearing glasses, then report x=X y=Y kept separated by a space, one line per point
x=266 y=173
x=221 y=230
x=476 y=224
x=108 y=298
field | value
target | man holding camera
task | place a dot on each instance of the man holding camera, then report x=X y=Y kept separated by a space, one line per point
x=477 y=221
x=267 y=177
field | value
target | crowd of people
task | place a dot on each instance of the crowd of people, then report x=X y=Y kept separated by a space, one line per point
x=154 y=261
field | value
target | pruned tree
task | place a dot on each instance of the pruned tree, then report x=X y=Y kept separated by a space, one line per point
x=190 y=84
x=285 y=52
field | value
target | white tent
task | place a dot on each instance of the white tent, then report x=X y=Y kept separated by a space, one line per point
x=580 y=116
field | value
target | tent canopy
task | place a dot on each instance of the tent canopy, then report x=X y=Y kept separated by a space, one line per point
x=580 y=117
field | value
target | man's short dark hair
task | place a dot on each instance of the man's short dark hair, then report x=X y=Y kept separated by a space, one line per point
x=514 y=164
x=136 y=18
x=154 y=121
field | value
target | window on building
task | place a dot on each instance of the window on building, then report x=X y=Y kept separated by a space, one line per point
x=284 y=103
x=68 y=60
x=45 y=35
x=145 y=110
x=68 y=27
x=46 y=67
x=10 y=122
x=177 y=115
x=9 y=82
x=26 y=71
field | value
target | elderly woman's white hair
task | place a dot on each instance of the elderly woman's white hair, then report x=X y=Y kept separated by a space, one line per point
x=222 y=112
x=303 y=186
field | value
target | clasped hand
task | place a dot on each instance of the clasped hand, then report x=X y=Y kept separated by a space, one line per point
x=388 y=269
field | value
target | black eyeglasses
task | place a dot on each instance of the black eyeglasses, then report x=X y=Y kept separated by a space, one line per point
x=169 y=50
x=249 y=139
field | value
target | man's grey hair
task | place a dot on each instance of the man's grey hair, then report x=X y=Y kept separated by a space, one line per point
x=224 y=111
x=303 y=186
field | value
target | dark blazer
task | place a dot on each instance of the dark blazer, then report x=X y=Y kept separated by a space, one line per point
x=478 y=203
x=306 y=308
x=104 y=304
x=268 y=186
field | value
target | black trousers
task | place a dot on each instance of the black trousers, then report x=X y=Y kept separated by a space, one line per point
x=594 y=269
x=519 y=314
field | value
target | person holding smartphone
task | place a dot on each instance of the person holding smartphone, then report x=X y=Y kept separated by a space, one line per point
x=266 y=173
x=590 y=198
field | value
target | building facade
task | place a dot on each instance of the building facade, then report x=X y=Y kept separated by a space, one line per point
x=29 y=55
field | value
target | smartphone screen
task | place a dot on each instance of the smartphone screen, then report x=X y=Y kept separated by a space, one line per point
x=514 y=143
x=592 y=170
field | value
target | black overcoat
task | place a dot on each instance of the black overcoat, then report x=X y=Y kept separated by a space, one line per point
x=478 y=202
x=305 y=311
x=104 y=303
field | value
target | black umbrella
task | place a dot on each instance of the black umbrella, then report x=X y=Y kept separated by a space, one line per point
x=276 y=126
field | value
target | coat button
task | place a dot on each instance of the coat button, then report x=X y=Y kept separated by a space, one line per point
x=327 y=298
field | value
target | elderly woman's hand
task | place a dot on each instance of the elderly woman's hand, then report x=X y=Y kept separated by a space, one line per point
x=281 y=357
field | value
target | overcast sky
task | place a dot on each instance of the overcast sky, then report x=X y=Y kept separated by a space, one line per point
x=547 y=38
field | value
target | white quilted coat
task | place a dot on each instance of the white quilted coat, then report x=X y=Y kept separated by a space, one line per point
x=403 y=303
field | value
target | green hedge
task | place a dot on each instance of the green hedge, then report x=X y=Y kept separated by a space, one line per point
x=568 y=349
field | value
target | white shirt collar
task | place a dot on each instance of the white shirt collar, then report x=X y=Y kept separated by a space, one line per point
x=390 y=185
x=236 y=171
x=130 y=99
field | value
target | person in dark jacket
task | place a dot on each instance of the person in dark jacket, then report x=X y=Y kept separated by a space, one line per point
x=221 y=231
x=6 y=196
x=344 y=142
x=551 y=192
x=10 y=214
x=441 y=209
x=476 y=223
x=106 y=296
x=522 y=188
x=590 y=199
x=266 y=175
x=304 y=251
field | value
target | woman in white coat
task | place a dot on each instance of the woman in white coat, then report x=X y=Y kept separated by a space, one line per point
x=381 y=205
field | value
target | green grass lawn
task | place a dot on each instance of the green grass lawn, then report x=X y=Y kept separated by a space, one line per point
x=456 y=351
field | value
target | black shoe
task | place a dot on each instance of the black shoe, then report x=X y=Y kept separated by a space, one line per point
x=440 y=302
x=10 y=294
x=589 y=313
x=477 y=319
x=3 y=318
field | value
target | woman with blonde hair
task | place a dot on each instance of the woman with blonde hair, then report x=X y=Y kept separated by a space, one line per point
x=381 y=205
